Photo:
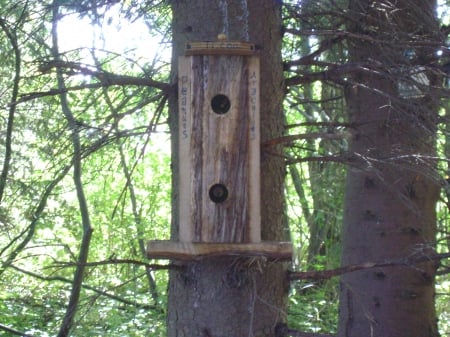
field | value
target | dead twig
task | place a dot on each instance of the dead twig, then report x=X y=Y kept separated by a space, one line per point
x=14 y=331
x=282 y=330
x=151 y=266
x=327 y=274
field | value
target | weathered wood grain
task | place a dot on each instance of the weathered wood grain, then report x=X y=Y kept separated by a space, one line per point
x=219 y=148
x=192 y=250
x=220 y=48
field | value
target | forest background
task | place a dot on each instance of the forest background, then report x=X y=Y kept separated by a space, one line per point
x=102 y=68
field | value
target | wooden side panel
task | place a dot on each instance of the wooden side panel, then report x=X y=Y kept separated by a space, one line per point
x=185 y=133
x=255 y=150
x=219 y=149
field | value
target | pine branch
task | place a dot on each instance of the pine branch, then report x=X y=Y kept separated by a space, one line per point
x=28 y=233
x=337 y=158
x=335 y=74
x=105 y=78
x=128 y=172
x=14 y=331
x=282 y=330
x=311 y=58
x=311 y=135
x=87 y=287
x=150 y=266
x=12 y=107
x=327 y=274
x=296 y=333
x=322 y=124
x=75 y=293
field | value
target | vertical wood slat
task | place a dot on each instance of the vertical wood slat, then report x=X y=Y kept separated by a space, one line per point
x=219 y=148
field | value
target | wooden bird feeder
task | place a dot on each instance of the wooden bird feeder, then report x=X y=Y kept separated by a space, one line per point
x=219 y=156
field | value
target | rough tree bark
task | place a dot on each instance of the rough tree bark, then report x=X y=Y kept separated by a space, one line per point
x=233 y=296
x=391 y=189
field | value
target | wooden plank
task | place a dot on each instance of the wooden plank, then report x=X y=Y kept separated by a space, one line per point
x=226 y=148
x=254 y=149
x=184 y=136
x=220 y=48
x=219 y=149
x=192 y=251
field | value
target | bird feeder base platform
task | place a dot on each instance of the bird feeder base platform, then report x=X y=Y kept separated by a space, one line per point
x=176 y=250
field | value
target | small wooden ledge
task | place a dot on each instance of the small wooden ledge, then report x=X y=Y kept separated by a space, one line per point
x=220 y=48
x=196 y=250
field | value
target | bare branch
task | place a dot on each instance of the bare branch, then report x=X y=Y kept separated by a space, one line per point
x=319 y=101
x=116 y=80
x=338 y=158
x=296 y=333
x=151 y=266
x=85 y=286
x=326 y=274
x=30 y=230
x=335 y=74
x=106 y=78
x=308 y=59
x=312 y=135
x=72 y=306
x=282 y=330
x=12 y=108
x=413 y=42
x=14 y=331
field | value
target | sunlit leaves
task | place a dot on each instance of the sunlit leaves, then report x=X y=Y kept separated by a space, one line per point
x=40 y=217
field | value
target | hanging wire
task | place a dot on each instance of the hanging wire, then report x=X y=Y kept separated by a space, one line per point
x=223 y=5
x=244 y=19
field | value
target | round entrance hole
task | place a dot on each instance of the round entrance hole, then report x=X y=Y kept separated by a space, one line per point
x=220 y=104
x=218 y=193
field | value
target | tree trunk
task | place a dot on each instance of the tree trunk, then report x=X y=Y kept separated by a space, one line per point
x=391 y=189
x=233 y=296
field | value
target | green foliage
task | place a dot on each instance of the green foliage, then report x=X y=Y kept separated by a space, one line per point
x=313 y=307
x=126 y=166
x=125 y=174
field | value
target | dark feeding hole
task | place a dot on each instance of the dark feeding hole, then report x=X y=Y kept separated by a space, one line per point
x=218 y=193
x=220 y=104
